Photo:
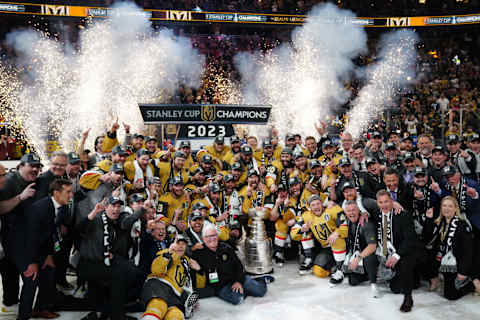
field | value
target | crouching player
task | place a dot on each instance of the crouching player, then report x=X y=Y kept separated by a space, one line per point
x=329 y=228
x=167 y=292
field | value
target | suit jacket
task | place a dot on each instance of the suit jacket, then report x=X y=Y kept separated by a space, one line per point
x=405 y=239
x=40 y=233
x=42 y=185
x=404 y=196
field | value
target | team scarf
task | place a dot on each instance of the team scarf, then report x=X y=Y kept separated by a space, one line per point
x=267 y=161
x=420 y=207
x=107 y=241
x=390 y=247
x=461 y=194
x=355 y=244
x=446 y=232
x=354 y=250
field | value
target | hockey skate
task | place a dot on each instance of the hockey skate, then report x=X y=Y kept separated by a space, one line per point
x=336 y=278
x=306 y=266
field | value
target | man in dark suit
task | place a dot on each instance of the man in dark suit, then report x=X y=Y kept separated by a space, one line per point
x=398 y=247
x=43 y=239
x=398 y=190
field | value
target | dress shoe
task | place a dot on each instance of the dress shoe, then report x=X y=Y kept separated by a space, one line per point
x=91 y=316
x=407 y=303
x=45 y=314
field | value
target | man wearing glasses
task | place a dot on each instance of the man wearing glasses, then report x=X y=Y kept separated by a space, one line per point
x=223 y=272
x=57 y=169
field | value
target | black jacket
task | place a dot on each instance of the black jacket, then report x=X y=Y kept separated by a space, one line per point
x=372 y=185
x=41 y=233
x=405 y=239
x=224 y=261
x=91 y=231
x=462 y=245
x=148 y=250
x=12 y=240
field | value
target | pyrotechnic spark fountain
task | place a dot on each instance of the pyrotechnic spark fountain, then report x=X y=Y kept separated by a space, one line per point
x=394 y=70
x=121 y=62
x=305 y=79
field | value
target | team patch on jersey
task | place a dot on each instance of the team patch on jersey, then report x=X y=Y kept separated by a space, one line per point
x=271 y=169
x=326 y=217
x=224 y=257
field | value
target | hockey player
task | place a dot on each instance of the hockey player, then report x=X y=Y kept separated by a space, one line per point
x=167 y=292
x=329 y=228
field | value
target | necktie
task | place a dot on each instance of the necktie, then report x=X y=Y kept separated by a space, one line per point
x=384 y=235
x=394 y=195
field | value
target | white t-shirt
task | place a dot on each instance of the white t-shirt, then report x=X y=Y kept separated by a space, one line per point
x=443 y=103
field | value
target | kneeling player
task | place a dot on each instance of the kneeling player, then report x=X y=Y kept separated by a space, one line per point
x=330 y=230
x=167 y=292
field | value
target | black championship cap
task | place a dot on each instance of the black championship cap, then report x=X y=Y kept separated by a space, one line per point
x=419 y=171
x=118 y=149
x=117 y=168
x=30 y=158
x=252 y=172
x=449 y=170
x=246 y=149
x=344 y=162
x=206 y=158
x=115 y=200
x=347 y=185
x=220 y=139
x=73 y=158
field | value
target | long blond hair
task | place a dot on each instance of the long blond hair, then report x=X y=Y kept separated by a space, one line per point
x=455 y=203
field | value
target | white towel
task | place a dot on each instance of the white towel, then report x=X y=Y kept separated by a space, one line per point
x=139 y=173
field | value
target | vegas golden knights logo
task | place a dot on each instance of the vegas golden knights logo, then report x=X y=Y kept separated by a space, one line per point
x=208 y=113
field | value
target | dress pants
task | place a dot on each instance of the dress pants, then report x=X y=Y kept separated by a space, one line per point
x=45 y=281
x=119 y=277
x=10 y=280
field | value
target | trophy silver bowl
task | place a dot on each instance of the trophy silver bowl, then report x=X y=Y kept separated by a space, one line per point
x=258 y=247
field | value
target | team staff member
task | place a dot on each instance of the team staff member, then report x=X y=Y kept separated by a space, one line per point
x=17 y=196
x=361 y=246
x=223 y=272
x=43 y=240
x=104 y=253
x=452 y=239
x=58 y=166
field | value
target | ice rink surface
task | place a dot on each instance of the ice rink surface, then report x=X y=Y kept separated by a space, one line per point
x=307 y=297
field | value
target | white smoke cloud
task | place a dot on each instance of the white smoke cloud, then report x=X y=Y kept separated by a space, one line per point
x=394 y=70
x=122 y=61
x=303 y=80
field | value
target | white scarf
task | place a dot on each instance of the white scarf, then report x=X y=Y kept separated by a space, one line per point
x=139 y=172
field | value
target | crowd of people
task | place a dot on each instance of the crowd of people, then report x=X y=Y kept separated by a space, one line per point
x=153 y=230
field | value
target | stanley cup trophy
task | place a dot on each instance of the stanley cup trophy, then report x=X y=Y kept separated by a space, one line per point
x=258 y=247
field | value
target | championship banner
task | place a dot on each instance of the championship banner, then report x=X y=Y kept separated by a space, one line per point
x=192 y=17
x=204 y=113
